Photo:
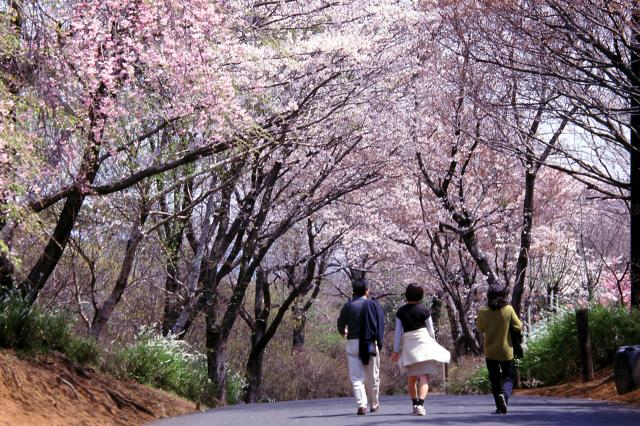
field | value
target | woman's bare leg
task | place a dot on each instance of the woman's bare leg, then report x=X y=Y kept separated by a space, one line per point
x=424 y=386
x=411 y=386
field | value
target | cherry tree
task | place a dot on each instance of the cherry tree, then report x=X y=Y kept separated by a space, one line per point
x=589 y=52
x=300 y=270
x=112 y=76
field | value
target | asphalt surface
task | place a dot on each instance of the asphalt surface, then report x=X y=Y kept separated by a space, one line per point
x=396 y=410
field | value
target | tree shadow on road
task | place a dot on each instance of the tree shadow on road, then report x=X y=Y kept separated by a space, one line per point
x=524 y=414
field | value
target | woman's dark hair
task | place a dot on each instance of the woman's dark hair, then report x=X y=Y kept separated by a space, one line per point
x=414 y=293
x=497 y=296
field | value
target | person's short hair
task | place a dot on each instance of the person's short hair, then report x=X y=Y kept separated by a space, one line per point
x=360 y=286
x=414 y=293
x=497 y=296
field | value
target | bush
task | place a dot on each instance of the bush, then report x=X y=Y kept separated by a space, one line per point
x=470 y=377
x=83 y=350
x=171 y=364
x=57 y=335
x=236 y=384
x=321 y=367
x=26 y=328
x=163 y=363
x=611 y=328
x=317 y=375
x=555 y=343
x=18 y=323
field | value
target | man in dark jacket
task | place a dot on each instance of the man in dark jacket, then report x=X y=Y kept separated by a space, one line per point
x=361 y=320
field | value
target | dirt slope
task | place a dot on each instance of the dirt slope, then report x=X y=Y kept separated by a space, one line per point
x=52 y=391
x=602 y=388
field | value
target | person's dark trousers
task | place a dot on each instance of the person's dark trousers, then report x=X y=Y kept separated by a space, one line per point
x=501 y=377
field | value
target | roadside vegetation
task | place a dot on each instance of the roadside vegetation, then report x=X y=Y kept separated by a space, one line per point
x=162 y=362
x=31 y=330
x=553 y=342
x=176 y=366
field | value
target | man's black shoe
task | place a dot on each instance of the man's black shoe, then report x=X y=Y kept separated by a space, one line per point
x=501 y=404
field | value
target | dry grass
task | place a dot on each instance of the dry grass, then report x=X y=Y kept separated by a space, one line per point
x=53 y=391
x=320 y=371
x=602 y=388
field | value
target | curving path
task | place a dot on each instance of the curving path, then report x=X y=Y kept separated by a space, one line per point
x=395 y=410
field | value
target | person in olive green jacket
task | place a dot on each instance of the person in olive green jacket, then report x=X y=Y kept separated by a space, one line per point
x=494 y=322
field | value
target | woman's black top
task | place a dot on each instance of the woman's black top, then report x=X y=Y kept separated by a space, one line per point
x=413 y=316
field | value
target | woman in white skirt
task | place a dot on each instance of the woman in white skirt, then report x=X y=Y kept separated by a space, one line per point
x=421 y=355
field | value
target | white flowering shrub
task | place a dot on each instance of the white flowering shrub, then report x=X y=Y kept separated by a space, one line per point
x=166 y=363
x=173 y=365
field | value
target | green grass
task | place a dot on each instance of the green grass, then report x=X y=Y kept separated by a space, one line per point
x=28 y=329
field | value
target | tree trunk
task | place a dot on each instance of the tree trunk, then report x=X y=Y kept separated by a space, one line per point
x=14 y=85
x=7 y=284
x=261 y=314
x=584 y=343
x=172 y=305
x=217 y=334
x=471 y=243
x=262 y=334
x=103 y=314
x=456 y=331
x=215 y=349
x=254 y=373
x=6 y=274
x=299 y=318
x=216 y=369
x=52 y=253
x=525 y=241
x=467 y=340
x=195 y=267
x=172 y=302
x=436 y=307
x=210 y=274
x=300 y=313
x=252 y=256
x=89 y=166
x=634 y=206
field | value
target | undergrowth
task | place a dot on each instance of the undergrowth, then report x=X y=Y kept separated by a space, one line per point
x=171 y=364
x=27 y=328
x=161 y=362
x=469 y=377
x=552 y=354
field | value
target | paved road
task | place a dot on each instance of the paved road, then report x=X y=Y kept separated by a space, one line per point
x=395 y=410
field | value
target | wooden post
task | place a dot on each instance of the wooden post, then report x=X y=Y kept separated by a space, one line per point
x=584 y=342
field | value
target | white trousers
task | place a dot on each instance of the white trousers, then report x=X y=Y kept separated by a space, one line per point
x=365 y=379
